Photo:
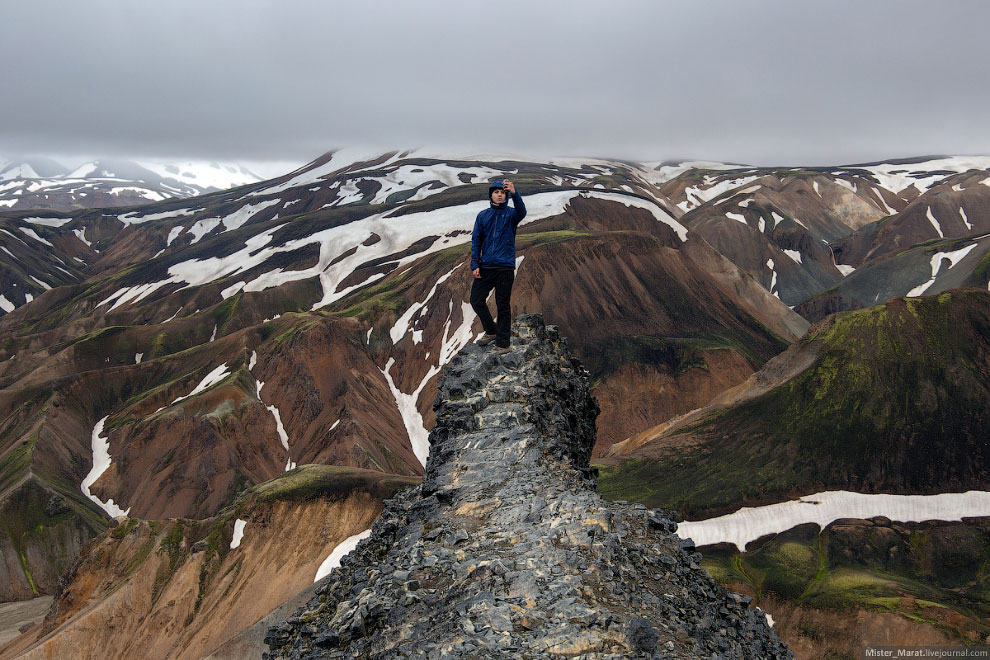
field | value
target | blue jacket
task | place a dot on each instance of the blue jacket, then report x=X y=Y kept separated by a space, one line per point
x=493 y=242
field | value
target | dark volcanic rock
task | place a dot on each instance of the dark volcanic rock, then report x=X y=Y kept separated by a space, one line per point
x=506 y=551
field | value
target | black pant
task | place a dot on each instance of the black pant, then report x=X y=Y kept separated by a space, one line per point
x=499 y=279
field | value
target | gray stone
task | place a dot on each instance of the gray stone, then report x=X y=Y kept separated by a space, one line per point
x=506 y=551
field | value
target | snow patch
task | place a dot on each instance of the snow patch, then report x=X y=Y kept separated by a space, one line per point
x=401 y=326
x=794 y=255
x=737 y=217
x=203 y=227
x=253 y=361
x=232 y=289
x=208 y=381
x=30 y=232
x=342 y=549
x=136 y=218
x=81 y=234
x=750 y=523
x=635 y=202
x=174 y=234
x=938 y=227
x=773 y=279
x=282 y=435
x=40 y=283
x=101 y=463
x=936 y=264
x=48 y=222
x=6 y=305
x=137 y=358
x=238 y=533
x=245 y=213
x=847 y=184
x=965 y=219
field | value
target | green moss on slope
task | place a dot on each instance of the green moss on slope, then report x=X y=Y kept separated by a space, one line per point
x=897 y=401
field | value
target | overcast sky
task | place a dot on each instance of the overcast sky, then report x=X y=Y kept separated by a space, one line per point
x=760 y=82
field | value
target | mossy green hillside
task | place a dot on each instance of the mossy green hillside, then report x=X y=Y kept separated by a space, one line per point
x=874 y=566
x=42 y=526
x=897 y=401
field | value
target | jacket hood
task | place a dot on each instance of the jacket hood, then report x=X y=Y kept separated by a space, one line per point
x=496 y=185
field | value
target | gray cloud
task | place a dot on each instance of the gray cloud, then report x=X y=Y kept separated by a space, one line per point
x=765 y=82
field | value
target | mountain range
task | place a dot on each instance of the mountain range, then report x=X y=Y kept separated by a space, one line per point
x=165 y=360
x=42 y=183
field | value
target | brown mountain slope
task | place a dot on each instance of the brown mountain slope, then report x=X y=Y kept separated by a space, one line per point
x=176 y=589
x=957 y=207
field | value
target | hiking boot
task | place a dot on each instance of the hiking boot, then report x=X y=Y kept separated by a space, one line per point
x=486 y=339
x=502 y=350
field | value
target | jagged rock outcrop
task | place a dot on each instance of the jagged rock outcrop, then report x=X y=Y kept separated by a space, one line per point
x=506 y=551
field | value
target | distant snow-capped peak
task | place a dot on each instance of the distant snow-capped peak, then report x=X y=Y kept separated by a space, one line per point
x=203 y=174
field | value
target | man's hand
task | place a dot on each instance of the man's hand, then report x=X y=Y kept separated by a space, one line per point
x=510 y=188
x=477 y=273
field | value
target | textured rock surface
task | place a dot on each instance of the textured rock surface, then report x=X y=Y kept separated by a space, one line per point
x=506 y=551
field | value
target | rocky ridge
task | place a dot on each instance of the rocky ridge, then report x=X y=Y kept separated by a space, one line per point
x=506 y=551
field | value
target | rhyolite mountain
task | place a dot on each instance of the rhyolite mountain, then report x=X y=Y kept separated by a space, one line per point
x=206 y=345
x=892 y=398
x=215 y=577
x=210 y=344
x=887 y=399
x=42 y=183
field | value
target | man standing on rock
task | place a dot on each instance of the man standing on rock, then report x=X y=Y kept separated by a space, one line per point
x=493 y=260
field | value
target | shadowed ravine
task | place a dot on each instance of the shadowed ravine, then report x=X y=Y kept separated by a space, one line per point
x=507 y=551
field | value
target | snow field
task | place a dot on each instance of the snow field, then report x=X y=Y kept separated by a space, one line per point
x=48 y=222
x=898 y=177
x=101 y=463
x=695 y=196
x=135 y=218
x=936 y=264
x=737 y=217
x=750 y=523
x=203 y=174
x=6 y=305
x=30 y=232
x=142 y=192
x=396 y=233
x=794 y=255
x=342 y=549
